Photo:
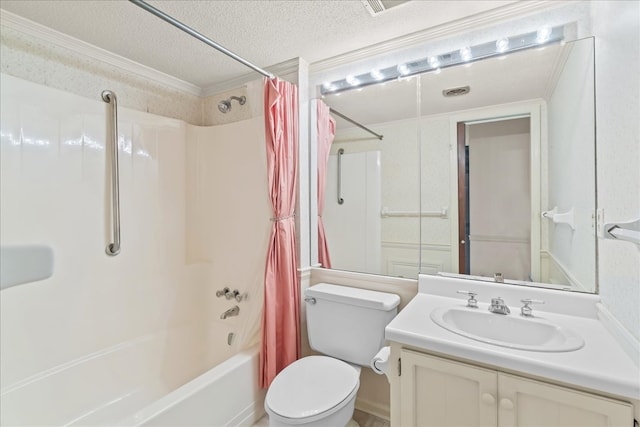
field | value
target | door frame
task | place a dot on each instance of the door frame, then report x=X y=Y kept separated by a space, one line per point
x=535 y=110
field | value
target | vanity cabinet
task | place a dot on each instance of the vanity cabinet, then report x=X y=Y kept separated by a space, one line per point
x=435 y=391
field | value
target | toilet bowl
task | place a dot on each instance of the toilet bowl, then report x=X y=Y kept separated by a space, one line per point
x=313 y=391
x=346 y=325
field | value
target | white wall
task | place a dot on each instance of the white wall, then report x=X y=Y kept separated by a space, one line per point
x=434 y=195
x=399 y=182
x=499 y=208
x=571 y=160
x=616 y=26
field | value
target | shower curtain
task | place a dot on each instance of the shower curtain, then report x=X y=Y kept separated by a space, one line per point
x=281 y=314
x=326 y=133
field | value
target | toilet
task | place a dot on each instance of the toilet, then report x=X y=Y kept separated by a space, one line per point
x=347 y=326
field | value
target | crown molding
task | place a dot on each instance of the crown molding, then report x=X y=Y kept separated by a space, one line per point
x=281 y=69
x=15 y=22
x=511 y=11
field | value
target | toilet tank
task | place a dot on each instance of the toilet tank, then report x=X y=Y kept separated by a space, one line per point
x=348 y=323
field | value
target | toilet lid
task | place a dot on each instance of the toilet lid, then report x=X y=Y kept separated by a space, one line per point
x=310 y=386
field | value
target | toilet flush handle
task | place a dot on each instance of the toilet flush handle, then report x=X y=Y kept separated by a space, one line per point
x=310 y=300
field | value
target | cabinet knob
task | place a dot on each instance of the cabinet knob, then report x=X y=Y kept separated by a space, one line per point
x=488 y=399
x=506 y=404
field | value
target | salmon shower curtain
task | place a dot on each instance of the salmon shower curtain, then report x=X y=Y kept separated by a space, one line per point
x=326 y=133
x=281 y=315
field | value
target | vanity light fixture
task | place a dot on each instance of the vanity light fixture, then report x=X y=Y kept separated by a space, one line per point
x=543 y=35
x=465 y=54
x=353 y=81
x=403 y=69
x=328 y=87
x=435 y=63
x=377 y=75
x=502 y=45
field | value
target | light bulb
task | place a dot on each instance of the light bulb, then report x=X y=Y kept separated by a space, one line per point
x=502 y=45
x=543 y=35
x=329 y=87
x=377 y=75
x=353 y=81
x=465 y=54
x=403 y=69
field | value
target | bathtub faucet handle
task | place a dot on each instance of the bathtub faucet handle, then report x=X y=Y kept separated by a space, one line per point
x=238 y=296
x=222 y=292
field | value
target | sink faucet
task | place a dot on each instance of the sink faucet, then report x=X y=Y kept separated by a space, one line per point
x=498 y=306
x=234 y=311
x=526 y=310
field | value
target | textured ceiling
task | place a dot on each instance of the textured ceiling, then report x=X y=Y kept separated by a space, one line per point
x=265 y=32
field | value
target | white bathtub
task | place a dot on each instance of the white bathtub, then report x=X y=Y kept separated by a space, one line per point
x=227 y=395
x=152 y=380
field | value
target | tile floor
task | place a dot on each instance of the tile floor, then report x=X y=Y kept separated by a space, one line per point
x=362 y=418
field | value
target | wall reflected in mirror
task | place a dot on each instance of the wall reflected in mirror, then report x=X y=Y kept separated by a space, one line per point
x=498 y=180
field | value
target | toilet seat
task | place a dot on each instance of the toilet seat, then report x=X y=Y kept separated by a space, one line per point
x=312 y=388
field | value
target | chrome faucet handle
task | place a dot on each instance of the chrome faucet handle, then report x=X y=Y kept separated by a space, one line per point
x=498 y=306
x=527 y=311
x=497 y=301
x=222 y=292
x=472 y=302
x=238 y=296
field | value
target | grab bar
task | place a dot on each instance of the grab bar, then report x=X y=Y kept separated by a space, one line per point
x=340 y=153
x=388 y=213
x=113 y=249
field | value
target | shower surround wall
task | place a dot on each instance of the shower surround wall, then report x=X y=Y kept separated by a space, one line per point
x=54 y=192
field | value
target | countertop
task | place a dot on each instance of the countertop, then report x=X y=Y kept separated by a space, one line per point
x=600 y=365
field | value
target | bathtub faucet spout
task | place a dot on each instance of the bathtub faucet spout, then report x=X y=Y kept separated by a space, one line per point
x=234 y=311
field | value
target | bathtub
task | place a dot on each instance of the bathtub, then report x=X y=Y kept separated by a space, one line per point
x=150 y=381
x=227 y=395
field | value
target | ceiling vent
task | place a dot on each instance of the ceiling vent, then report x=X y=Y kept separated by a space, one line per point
x=456 y=91
x=376 y=7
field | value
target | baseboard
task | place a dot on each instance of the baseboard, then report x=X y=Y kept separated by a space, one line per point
x=380 y=411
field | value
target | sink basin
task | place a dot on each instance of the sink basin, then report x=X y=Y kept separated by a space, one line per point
x=513 y=331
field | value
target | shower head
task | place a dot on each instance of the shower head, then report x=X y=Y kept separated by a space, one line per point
x=225 y=105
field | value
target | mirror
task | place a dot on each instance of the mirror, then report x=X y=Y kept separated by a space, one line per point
x=498 y=182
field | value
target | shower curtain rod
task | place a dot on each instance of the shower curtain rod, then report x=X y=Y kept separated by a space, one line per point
x=197 y=35
x=160 y=14
x=349 y=119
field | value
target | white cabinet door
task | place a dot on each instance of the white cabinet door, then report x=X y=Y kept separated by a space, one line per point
x=440 y=393
x=529 y=403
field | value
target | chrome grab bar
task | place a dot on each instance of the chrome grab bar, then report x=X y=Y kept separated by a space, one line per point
x=340 y=153
x=113 y=249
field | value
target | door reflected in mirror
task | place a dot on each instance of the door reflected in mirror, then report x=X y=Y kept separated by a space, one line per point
x=498 y=180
